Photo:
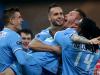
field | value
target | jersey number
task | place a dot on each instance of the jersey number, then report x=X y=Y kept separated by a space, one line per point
x=88 y=60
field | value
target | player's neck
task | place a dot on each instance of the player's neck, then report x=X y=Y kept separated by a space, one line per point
x=54 y=29
x=12 y=27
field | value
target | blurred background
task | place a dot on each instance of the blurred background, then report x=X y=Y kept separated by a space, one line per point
x=35 y=12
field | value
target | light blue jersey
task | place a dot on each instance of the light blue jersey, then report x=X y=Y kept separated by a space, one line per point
x=8 y=47
x=47 y=60
x=11 y=51
x=10 y=44
x=12 y=54
x=77 y=60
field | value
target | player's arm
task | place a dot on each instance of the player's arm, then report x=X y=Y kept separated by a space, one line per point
x=39 y=46
x=98 y=40
x=21 y=57
x=82 y=39
x=16 y=46
x=7 y=71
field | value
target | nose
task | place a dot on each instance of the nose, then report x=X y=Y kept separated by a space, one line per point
x=60 y=16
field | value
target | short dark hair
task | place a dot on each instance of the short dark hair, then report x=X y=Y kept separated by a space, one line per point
x=26 y=31
x=8 y=13
x=81 y=12
x=53 y=6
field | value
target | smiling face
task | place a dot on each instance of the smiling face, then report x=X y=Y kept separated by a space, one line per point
x=56 y=16
x=26 y=39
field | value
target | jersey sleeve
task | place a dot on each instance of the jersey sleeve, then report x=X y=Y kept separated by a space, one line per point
x=16 y=46
x=15 y=43
x=70 y=32
x=42 y=35
x=61 y=37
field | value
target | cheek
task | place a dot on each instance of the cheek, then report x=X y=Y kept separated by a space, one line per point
x=52 y=20
x=72 y=17
x=19 y=21
x=13 y=22
x=65 y=25
x=29 y=41
x=53 y=17
x=23 y=41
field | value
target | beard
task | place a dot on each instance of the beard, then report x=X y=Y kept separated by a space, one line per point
x=56 y=24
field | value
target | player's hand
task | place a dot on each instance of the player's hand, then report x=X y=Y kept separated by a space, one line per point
x=1 y=74
x=57 y=49
x=94 y=41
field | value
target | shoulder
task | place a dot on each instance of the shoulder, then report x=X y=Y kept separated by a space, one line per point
x=14 y=34
x=10 y=33
x=42 y=35
x=65 y=33
x=45 y=31
x=69 y=30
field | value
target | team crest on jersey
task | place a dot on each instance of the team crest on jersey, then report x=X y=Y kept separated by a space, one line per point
x=19 y=42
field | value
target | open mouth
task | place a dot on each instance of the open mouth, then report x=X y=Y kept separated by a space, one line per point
x=65 y=20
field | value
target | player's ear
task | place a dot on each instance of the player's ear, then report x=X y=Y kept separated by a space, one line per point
x=10 y=19
x=7 y=20
x=49 y=18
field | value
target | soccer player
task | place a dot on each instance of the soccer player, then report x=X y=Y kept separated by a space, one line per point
x=35 y=44
x=11 y=49
x=44 y=40
x=78 y=58
x=11 y=42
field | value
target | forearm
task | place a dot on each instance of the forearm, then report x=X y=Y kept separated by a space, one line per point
x=39 y=46
x=21 y=57
x=8 y=71
x=80 y=39
x=42 y=47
